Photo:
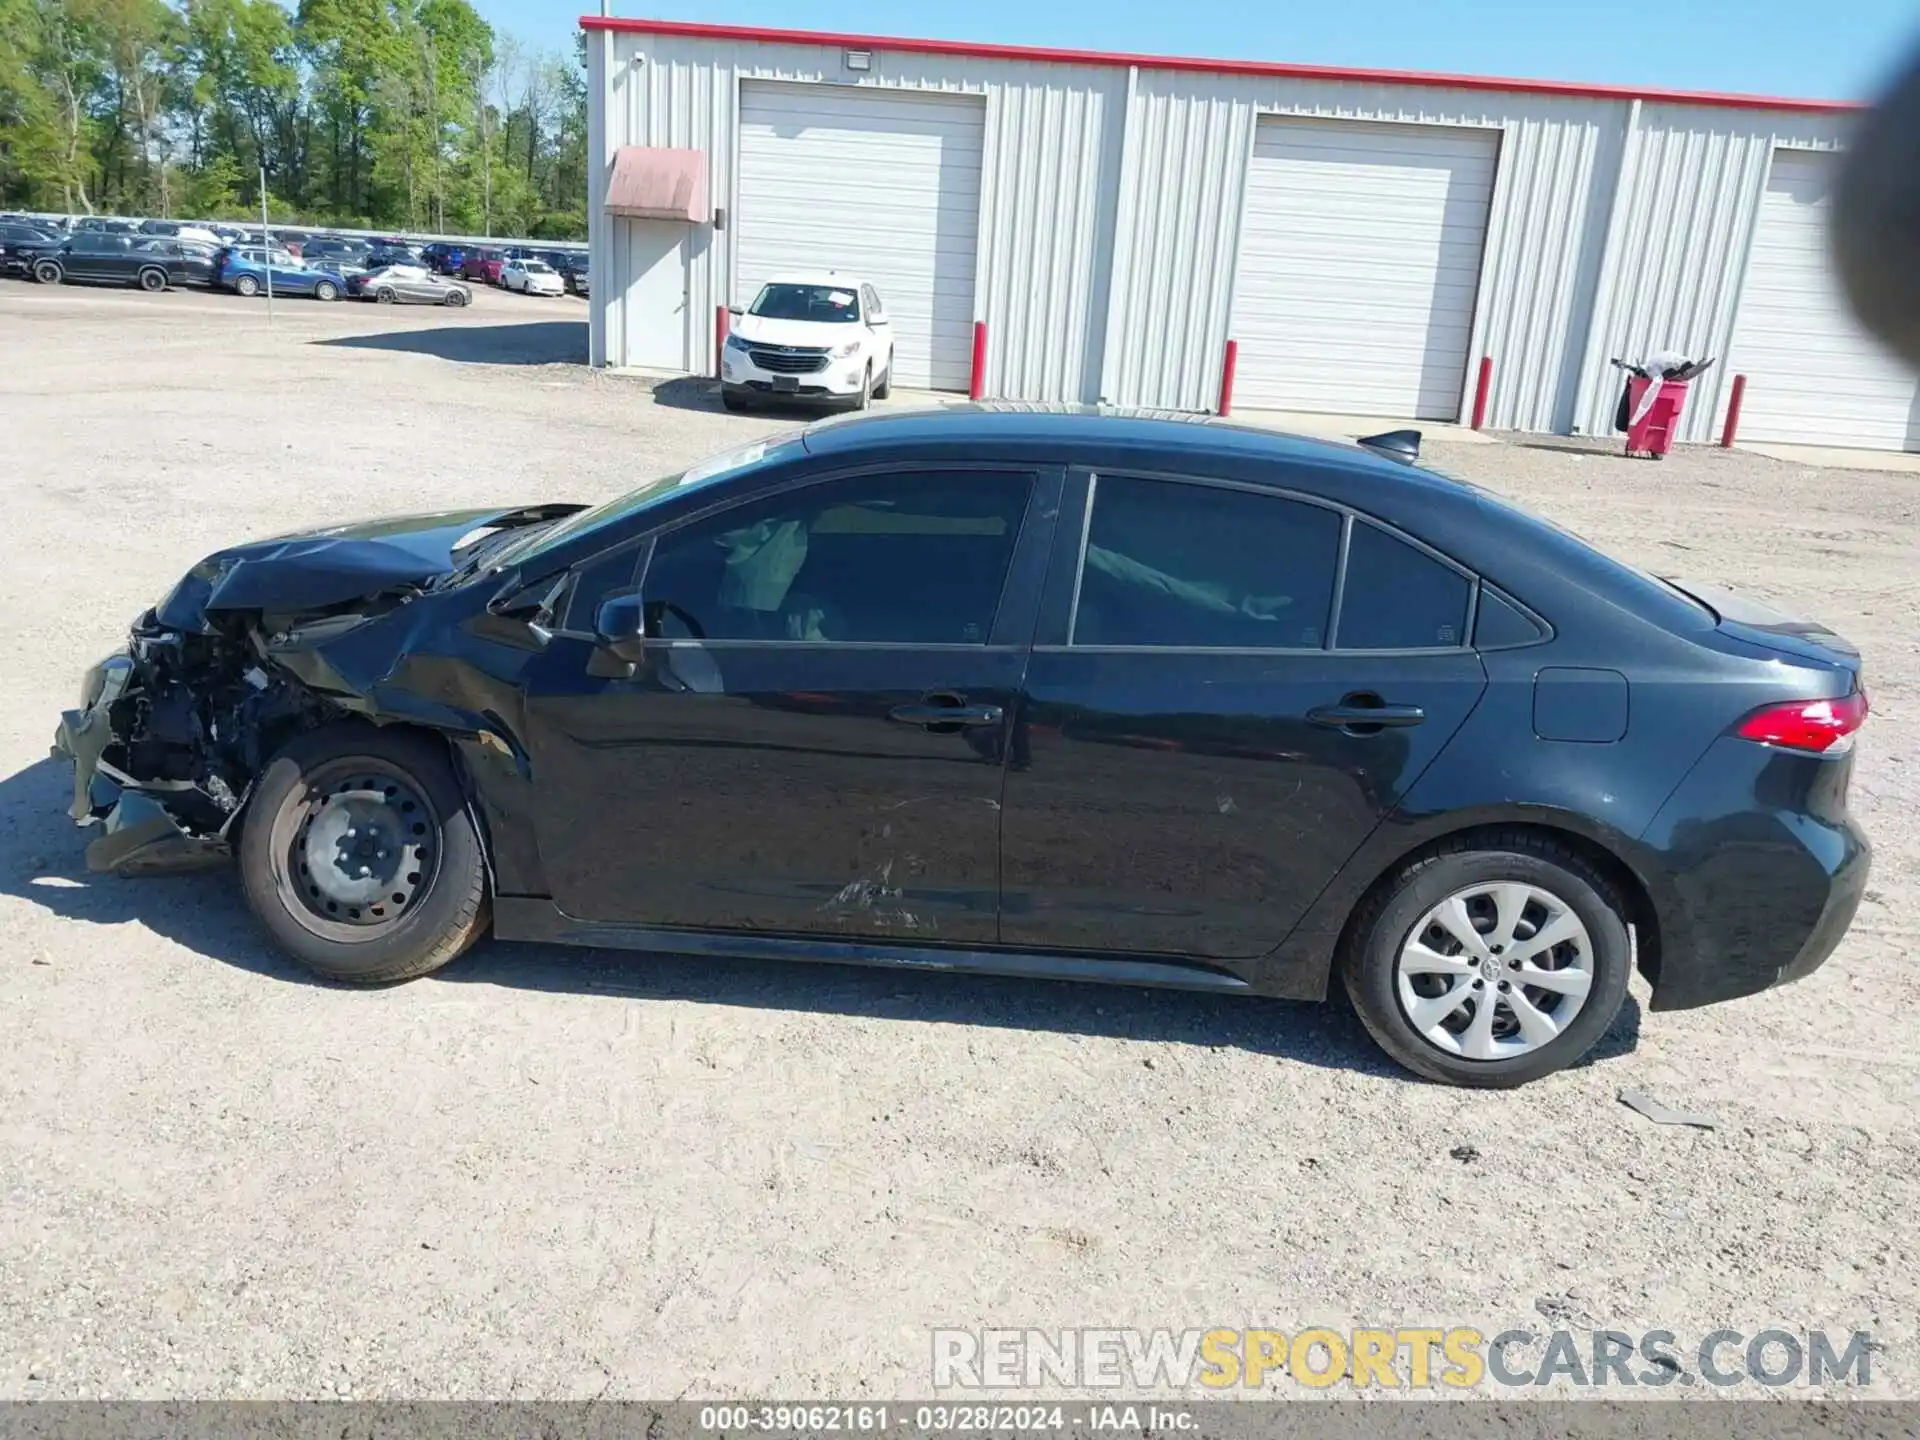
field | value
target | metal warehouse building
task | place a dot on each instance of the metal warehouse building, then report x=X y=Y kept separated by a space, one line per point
x=1114 y=220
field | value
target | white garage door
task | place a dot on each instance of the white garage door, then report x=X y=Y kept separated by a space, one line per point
x=1359 y=264
x=1813 y=376
x=884 y=184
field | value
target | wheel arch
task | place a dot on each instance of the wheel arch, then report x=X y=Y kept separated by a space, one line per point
x=1303 y=966
x=442 y=740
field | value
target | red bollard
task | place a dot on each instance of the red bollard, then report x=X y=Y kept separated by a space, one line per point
x=1227 y=368
x=1482 y=391
x=721 y=326
x=977 y=385
x=1733 y=412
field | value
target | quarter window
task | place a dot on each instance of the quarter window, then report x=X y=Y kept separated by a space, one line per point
x=1399 y=598
x=916 y=558
x=1175 y=564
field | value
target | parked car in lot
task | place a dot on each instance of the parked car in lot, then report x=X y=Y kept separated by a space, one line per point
x=443 y=258
x=483 y=266
x=409 y=285
x=822 y=337
x=179 y=230
x=21 y=245
x=573 y=273
x=531 y=277
x=340 y=256
x=103 y=225
x=105 y=258
x=1147 y=700
x=247 y=271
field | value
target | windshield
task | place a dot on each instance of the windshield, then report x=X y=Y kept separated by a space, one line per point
x=535 y=267
x=717 y=467
x=828 y=304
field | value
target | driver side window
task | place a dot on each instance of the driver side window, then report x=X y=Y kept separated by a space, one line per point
x=917 y=558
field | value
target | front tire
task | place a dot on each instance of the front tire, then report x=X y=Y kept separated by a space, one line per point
x=47 y=272
x=246 y=286
x=455 y=298
x=865 y=397
x=1490 y=961
x=153 y=281
x=884 y=389
x=384 y=296
x=360 y=857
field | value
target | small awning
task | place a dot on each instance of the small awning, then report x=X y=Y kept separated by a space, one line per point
x=650 y=182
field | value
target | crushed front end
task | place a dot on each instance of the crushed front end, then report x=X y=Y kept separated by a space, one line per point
x=168 y=738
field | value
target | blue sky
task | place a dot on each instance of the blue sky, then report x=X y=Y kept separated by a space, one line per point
x=1820 y=49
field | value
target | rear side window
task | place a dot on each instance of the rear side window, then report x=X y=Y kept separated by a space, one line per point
x=1196 y=566
x=1399 y=598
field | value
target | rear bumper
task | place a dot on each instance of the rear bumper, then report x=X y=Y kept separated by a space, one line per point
x=1762 y=870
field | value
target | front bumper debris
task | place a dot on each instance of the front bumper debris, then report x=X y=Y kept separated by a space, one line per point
x=137 y=834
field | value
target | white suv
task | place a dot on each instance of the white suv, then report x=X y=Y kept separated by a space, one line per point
x=821 y=337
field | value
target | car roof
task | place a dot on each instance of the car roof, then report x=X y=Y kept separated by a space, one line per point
x=1086 y=433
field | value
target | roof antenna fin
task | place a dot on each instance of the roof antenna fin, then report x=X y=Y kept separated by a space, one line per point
x=1401 y=445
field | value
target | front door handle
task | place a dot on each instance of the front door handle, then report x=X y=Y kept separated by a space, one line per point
x=1366 y=714
x=946 y=717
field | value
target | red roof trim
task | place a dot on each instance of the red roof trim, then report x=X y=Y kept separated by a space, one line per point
x=1562 y=88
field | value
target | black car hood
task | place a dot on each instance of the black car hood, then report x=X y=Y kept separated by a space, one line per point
x=324 y=568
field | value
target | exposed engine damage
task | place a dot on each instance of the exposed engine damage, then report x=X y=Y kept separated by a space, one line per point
x=172 y=733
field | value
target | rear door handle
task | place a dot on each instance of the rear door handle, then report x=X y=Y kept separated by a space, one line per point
x=956 y=717
x=1353 y=717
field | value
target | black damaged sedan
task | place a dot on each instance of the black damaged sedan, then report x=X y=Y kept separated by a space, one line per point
x=1091 y=696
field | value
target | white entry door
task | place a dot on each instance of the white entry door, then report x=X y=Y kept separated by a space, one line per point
x=1814 y=377
x=882 y=184
x=1360 y=266
x=656 y=308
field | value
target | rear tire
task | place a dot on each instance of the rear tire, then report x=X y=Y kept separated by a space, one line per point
x=326 y=290
x=153 y=281
x=47 y=272
x=246 y=286
x=1398 y=956
x=360 y=857
x=384 y=295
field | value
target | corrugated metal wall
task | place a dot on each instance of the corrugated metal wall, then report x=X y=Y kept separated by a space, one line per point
x=1188 y=142
x=1687 y=191
x=1052 y=175
x=1111 y=209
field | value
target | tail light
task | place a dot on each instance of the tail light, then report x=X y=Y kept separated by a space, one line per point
x=1820 y=727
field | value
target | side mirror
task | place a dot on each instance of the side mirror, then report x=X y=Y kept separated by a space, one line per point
x=735 y=311
x=621 y=619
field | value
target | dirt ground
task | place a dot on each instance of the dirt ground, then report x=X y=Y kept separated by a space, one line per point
x=563 y=1174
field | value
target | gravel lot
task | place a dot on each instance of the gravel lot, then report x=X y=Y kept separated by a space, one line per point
x=569 y=1174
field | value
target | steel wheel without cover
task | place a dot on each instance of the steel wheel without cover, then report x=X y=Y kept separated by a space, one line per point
x=1496 y=970
x=365 y=847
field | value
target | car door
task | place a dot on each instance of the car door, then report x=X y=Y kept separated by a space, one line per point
x=1216 y=716
x=810 y=738
x=91 y=257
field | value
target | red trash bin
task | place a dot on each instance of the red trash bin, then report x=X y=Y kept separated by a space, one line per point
x=1651 y=434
